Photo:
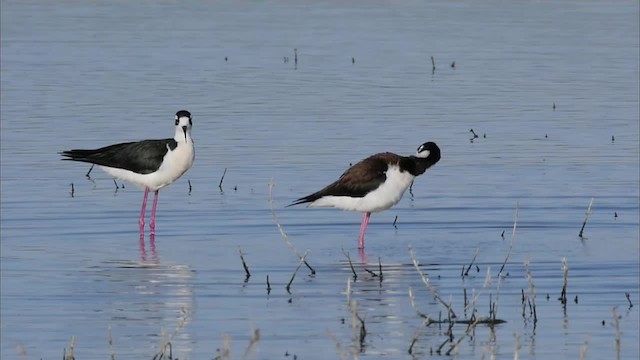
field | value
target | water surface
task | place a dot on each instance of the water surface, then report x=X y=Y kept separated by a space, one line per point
x=88 y=74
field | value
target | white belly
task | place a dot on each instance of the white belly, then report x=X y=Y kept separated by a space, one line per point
x=382 y=198
x=174 y=165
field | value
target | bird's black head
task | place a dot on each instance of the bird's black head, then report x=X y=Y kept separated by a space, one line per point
x=430 y=152
x=183 y=114
x=184 y=123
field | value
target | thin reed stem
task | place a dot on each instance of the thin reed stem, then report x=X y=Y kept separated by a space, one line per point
x=470 y=329
x=112 y=353
x=425 y=281
x=284 y=235
x=616 y=323
x=222 y=179
x=565 y=280
x=472 y=260
x=255 y=337
x=513 y=236
x=244 y=265
x=586 y=218
x=302 y=261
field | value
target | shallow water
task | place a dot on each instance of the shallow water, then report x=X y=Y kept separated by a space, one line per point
x=87 y=74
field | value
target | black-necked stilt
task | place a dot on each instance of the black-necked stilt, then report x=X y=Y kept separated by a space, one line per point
x=151 y=164
x=374 y=184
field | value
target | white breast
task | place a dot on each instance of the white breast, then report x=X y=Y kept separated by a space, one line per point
x=175 y=163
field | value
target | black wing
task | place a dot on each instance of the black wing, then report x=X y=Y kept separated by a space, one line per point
x=142 y=157
x=359 y=180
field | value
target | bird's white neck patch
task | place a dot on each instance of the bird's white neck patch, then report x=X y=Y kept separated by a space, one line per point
x=180 y=133
x=424 y=154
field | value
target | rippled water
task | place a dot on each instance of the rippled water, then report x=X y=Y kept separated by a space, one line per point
x=87 y=74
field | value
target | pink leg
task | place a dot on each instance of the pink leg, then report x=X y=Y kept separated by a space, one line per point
x=363 y=228
x=152 y=223
x=144 y=208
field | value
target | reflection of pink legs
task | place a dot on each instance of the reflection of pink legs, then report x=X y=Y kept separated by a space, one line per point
x=363 y=256
x=154 y=254
x=152 y=222
x=143 y=251
x=363 y=228
x=144 y=208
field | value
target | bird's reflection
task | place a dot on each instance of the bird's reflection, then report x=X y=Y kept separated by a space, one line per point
x=149 y=301
x=143 y=251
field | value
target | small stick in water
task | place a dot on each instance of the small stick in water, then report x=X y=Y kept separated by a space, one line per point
x=586 y=218
x=255 y=337
x=69 y=355
x=222 y=178
x=465 y=298
x=371 y=272
x=616 y=322
x=89 y=172
x=302 y=261
x=268 y=286
x=394 y=222
x=353 y=270
x=513 y=236
x=532 y=292
x=380 y=267
x=73 y=191
x=472 y=260
x=112 y=353
x=427 y=283
x=565 y=276
x=433 y=64
x=116 y=184
x=189 y=181
x=244 y=265
x=629 y=299
x=583 y=349
x=353 y=305
x=284 y=234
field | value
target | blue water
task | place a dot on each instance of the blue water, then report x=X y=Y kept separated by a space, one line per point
x=88 y=74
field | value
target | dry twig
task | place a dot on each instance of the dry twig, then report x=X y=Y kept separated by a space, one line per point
x=426 y=282
x=513 y=236
x=302 y=261
x=284 y=235
x=587 y=215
